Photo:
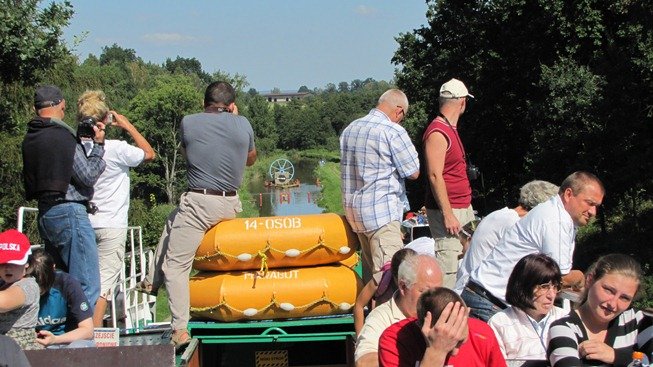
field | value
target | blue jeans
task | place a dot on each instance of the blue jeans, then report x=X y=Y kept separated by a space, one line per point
x=479 y=307
x=68 y=235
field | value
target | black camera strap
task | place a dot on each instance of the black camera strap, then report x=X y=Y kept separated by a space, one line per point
x=455 y=132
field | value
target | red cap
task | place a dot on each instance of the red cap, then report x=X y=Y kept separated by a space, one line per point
x=14 y=248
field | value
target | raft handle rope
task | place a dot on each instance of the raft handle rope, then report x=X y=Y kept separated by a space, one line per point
x=269 y=249
x=249 y=312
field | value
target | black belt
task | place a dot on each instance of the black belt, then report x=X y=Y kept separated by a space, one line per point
x=214 y=192
x=478 y=289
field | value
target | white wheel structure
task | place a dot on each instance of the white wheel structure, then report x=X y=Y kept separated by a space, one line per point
x=281 y=166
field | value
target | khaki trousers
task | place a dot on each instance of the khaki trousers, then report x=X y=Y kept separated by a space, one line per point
x=447 y=246
x=179 y=241
x=378 y=246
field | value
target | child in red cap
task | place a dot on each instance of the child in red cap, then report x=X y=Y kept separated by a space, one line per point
x=19 y=295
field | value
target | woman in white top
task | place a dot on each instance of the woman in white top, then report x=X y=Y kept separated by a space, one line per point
x=523 y=328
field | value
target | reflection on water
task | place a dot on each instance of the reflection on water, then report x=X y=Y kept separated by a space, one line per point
x=289 y=201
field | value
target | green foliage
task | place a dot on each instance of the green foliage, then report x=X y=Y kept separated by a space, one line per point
x=259 y=114
x=331 y=199
x=157 y=113
x=30 y=43
x=558 y=85
x=150 y=216
x=184 y=65
x=115 y=54
x=30 y=38
x=11 y=184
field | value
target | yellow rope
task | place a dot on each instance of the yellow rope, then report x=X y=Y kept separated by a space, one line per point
x=262 y=253
x=273 y=303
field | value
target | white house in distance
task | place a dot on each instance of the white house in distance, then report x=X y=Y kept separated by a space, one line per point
x=284 y=97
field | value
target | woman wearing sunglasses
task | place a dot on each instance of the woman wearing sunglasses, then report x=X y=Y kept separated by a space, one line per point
x=603 y=330
x=522 y=329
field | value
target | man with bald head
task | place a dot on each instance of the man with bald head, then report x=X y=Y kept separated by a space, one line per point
x=376 y=157
x=417 y=274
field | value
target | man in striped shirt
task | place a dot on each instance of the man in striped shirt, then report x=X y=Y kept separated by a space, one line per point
x=376 y=156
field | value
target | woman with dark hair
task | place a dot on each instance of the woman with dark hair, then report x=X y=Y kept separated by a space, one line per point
x=604 y=329
x=65 y=317
x=522 y=329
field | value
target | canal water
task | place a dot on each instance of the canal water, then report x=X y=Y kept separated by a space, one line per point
x=303 y=199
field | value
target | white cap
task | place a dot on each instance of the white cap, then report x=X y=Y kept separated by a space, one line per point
x=454 y=88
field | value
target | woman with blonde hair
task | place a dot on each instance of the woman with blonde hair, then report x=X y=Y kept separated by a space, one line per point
x=111 y=191
x=604 y=329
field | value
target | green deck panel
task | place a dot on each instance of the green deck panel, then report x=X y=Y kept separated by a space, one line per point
x=269 y=331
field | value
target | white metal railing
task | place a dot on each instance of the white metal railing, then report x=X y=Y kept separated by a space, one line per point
x=125 y=302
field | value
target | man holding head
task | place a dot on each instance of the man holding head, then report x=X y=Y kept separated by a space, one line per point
x=417 y=273
x=217 y=144
x=440 y=335
x=449 y=203
x=59 y=174
x=550 y=229
x=376 y=157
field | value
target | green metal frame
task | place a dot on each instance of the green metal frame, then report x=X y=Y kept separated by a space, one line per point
x=340 y=328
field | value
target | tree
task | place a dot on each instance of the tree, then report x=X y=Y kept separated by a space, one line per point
x=343 y=87
x=492 y=48
x=262 y=119
x=117 y=54
x=187 y=66
x=30 y=38
x=300 y=127
x=303 y=89
x=157 y=113
x=30 y=44
x=559 y=87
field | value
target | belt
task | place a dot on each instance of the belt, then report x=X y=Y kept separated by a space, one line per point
x=478 y=289
x=214 y=192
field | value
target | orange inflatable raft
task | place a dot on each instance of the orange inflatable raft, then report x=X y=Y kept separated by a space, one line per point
x=278 y=294
x=276 y=242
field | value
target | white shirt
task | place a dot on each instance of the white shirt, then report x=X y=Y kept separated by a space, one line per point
x=547 y=229
x=423 y=246
x=487 y=235
x=111 y=194
x=520 y=336
x=376 y=322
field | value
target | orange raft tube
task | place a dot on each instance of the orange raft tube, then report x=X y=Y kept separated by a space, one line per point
x=276 y=242
x=279 y=294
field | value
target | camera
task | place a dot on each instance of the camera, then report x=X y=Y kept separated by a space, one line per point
x=85 y=128
x=473 y=172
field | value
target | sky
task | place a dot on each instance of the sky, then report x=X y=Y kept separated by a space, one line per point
x=275 y=44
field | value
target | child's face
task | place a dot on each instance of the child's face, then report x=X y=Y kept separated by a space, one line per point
x=11 y=273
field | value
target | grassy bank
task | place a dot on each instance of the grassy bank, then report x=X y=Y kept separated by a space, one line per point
x=329 y=176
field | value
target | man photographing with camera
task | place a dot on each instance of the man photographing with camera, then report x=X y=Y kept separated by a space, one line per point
x=58 y=173
x=449 y=203
x=217 y=145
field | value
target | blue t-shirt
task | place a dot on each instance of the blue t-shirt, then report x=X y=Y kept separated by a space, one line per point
x=64 y=306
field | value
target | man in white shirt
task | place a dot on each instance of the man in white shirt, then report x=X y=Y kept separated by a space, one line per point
x=111 y=193
x=550 y=229
x=494 y=226
x=417 y=273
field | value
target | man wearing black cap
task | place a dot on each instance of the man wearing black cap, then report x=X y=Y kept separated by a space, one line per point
x=58 y=173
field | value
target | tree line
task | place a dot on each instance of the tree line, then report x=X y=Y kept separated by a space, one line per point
x=154 y=97
x=560 y=86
